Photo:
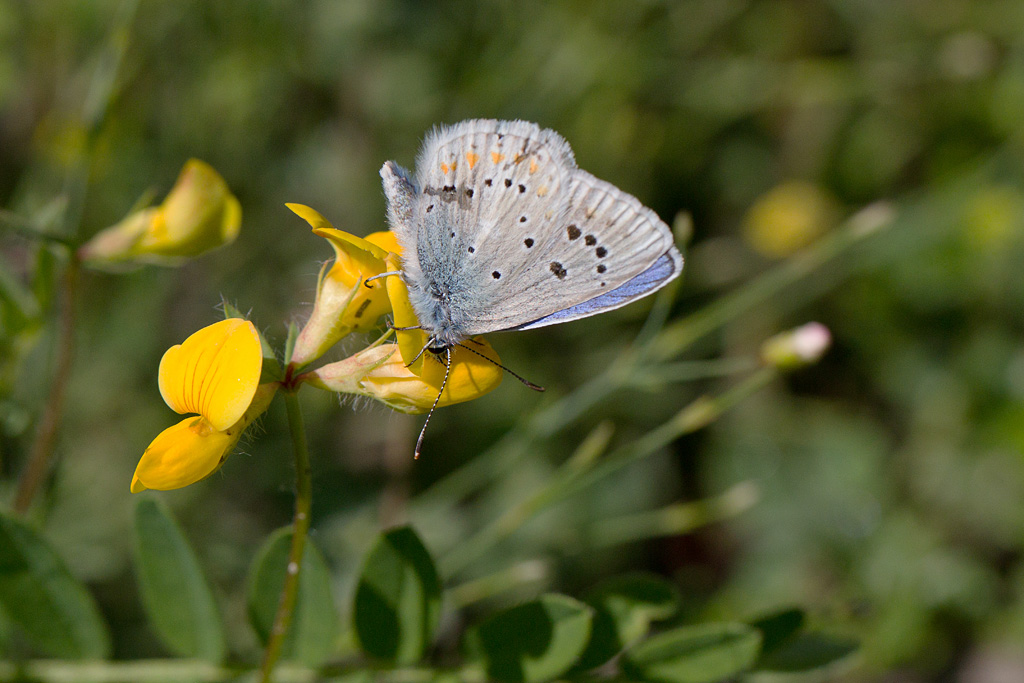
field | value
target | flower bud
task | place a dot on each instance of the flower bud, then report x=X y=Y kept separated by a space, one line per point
x=796 y=348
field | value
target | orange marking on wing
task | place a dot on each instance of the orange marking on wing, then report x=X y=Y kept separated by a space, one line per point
x=496 y=157
x=517 y=158
x=472 y=158
x=542 y=190
x=444 y=168
x=533 y=167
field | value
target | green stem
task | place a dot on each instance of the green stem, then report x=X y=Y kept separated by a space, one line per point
x=300 y=528
x=675 y=519
x=39 y=459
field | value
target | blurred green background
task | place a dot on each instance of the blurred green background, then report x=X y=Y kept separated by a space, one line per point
x=890 y=476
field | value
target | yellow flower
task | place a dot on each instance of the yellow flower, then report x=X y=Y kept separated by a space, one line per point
x=199 y=214
x=344 y=303
x=215 y=373
x=380 y=372
x=387 y=372
x=787 y=218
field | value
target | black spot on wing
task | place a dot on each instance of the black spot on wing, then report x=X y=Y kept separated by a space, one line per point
x=528 y=242
x=573 y=232
x=590 y=240
x=496 y=275
x=558 y=270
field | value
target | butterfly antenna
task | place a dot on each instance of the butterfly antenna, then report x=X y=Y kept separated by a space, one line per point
x=444 y=382
x=535 y=387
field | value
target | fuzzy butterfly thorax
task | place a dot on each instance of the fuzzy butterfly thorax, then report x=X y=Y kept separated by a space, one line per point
x=500 y=230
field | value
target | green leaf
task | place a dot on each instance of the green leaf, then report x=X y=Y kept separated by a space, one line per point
x=174 y=590
x=807 y=652
x=38 y=594
x=624 y=608
x=535 y=641
x=398 y=598
x=695 y=654
x=778 y=628
x=314 y=626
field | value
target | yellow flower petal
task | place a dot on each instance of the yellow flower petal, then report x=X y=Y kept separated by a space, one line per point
x=380 y=373
x=410 y=342
x=193 y=449
x=386 y=240
x=344 y=302
x=214 y=373
x=183 y=454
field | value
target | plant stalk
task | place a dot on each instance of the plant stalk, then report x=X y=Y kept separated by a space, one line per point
x=300 y=529
x=41 y=455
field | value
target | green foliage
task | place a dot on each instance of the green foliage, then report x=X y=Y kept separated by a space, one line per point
x=779 y=628
x=398 y=598
x=695 y=654
x=174 y=590
x=624 y=607
x=37 y=593
x=535 y=641
x=314 y=626
x=808 y=652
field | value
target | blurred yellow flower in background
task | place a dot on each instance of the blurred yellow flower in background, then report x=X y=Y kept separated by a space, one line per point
x=198 y=215
x=215 y=373
x=344 y=303
x=787 y=218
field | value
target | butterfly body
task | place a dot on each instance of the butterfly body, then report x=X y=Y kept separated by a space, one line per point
x=500 y=230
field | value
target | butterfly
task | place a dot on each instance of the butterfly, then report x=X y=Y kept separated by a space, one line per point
x=502 y=231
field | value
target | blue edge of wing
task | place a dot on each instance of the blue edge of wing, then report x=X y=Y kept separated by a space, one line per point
x=643 y=283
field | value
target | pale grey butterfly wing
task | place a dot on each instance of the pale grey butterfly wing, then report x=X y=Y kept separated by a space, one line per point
x=501 y=230
x=622 y=246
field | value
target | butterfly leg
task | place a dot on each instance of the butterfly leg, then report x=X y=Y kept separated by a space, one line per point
x=368 y=280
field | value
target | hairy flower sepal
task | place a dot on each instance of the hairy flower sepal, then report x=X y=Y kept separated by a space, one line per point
x=380 y=372
x=194 y=449
x=344 y=302
x=215 y=373
x=199 y=214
